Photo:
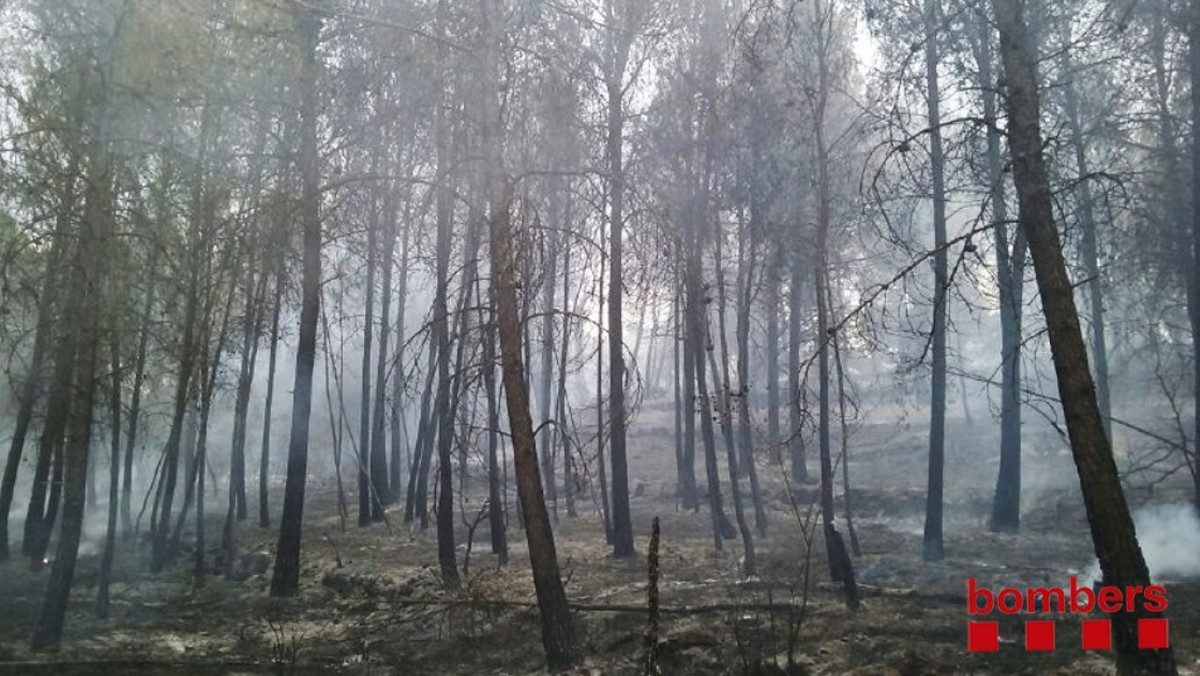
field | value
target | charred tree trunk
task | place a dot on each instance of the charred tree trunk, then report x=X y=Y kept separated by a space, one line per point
x=689 y=404
x=1010 y=271
x=135 y=402
x=824 y=338
x=286 y=578
x=264 y=459
x=380 y=482
x=570 y=484
x=549 y=280
x=397 y=412
x=731 y=455
x=40 y=515
x=622 y=526
x=772 y=346
x=418 y=481
x=365 y=499
x=1194 y=276
x=720 y=523
x=1111 y=525
x=601 y=465
x=844 y=433
x=795 y=442
x=742 y=395
x=933 y=543
x=820 y=287
x=496 y=508
x=1089 y=243
x=558 y=635
x=441 y=338
x=250 y=333
x=114 y=470
x=685 y=405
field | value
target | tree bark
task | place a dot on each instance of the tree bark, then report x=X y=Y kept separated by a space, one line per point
x=933 y=541
x=380 y=480
x=397 y=411
x=285 y=580
x=796 y=450
x=746 y=258
x=441 y=337
x=1112 y=527
x=1194 y=276
x=622 y=526
x=1010 y=273
x=365 y=480
x=114 y=471
x=549 y=281
x=1089 y=242
x=264 y=458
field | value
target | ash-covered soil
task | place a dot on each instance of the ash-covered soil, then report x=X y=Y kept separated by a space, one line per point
x=384 y=611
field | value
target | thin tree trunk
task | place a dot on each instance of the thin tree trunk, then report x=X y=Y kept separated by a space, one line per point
x=570 y=484
x=441 y=333
x=772 y=346
x=397 y=412
x=379 y=466
x=1194 y=272
x=40 y=515
x=365 y=509
x=1010 y=267
x=933 y=542
x=1089 y=242
x=720 y=522
x=135 y=403
x=731 y=448
x=742 y=396
x=622 y=526
x=332 y=375
x=496 y=509
x=251 y=321
x=286 y=578
x=418 y=483
x=114 y=473
x=844 y=433
x=821 y=281
x=601 y=466
x=264 y=459
x=685 y=377
x=549 y=280
x=795 y=442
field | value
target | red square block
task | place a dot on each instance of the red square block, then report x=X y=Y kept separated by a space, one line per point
x=983 y=637
x=1039 y=635
x=1152 y=634
x=1097 y=635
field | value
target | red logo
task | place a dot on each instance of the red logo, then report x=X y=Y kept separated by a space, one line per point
x=984 y=636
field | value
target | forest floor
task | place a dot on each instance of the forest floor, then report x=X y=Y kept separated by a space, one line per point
x=383 y=611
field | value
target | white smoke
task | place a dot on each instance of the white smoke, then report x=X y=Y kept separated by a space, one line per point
x=1170 y=540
